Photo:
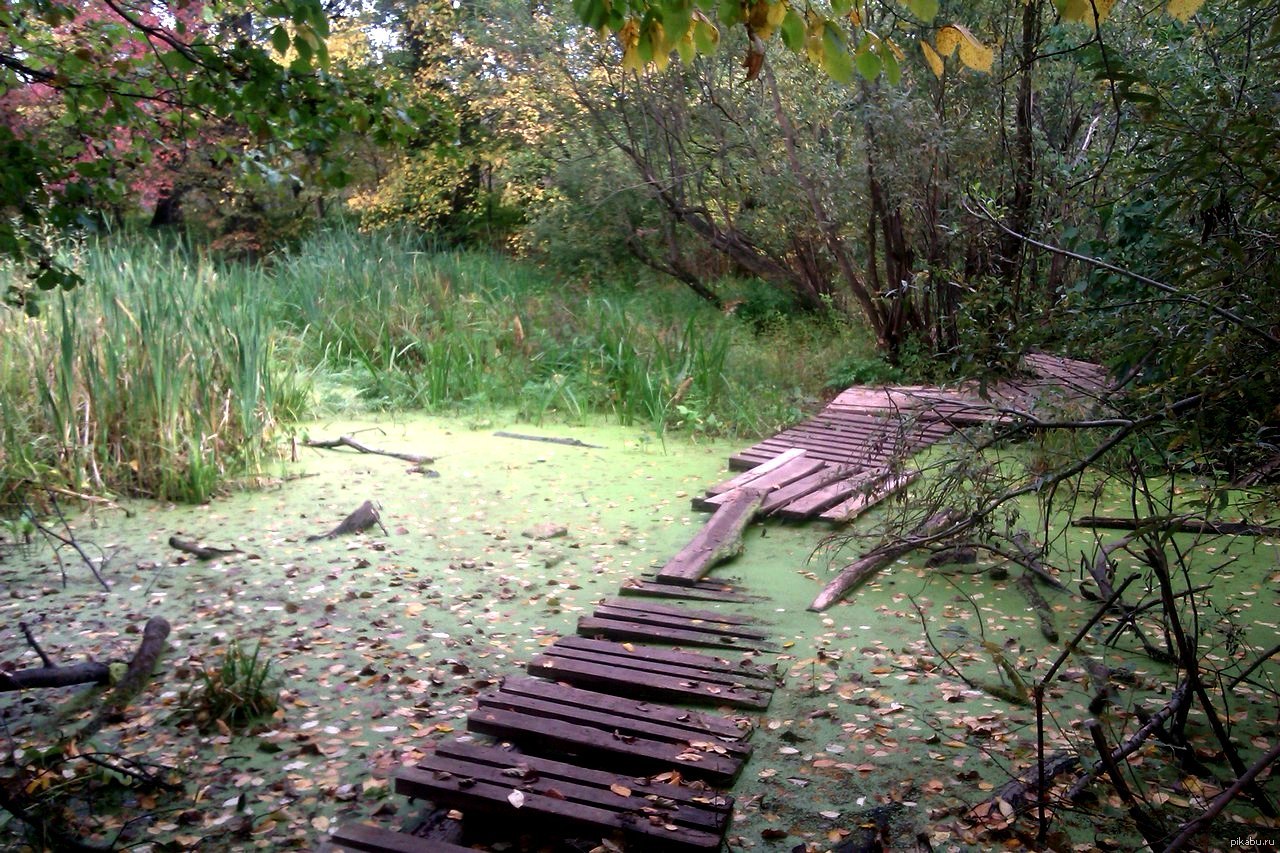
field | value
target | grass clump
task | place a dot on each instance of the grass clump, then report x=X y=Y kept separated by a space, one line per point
x=239 y=691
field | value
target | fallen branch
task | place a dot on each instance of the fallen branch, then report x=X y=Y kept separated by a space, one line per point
x=1041 y=607
x=1022 y=791
x=1177 y=524
x=1031 y=560
x=1191 y=828
x=1147 y=826
x=201 y=552
x=1102 y=569
x=571 y=442
x=1132 y=743
x=349 y=442
x=1263 y=658
x=134 y=679
x=364 y=517
x=90 y=672
x=858 y=571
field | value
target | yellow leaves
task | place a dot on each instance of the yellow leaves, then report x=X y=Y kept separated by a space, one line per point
x=629 y=40
x=932 y=59
x=1183 y=9
x=973 y=53
x=1083 y=11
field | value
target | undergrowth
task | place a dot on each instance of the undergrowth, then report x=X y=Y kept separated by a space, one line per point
x=172 y=374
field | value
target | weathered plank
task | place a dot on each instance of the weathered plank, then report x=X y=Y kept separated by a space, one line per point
x=796 y=469
x=701 y=591
x=859 y=503
x=661 y=794
x=625 y=727
x=610 y=677
x=550 y=808
x=693 y=722
x=719 y=540
x=375 y=839
x=763 y=468
x=699 y=664
x=590 y=743
x=674 y=617
x=646 y=632
x=823 y=499
x=828 y=475
x=651 y=607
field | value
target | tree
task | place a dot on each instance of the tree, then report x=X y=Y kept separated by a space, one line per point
x=125 y=85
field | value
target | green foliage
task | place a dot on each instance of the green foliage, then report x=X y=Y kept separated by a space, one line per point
x=238 y=691
x=158 y=378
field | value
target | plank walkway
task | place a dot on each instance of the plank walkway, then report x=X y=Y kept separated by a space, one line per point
x=584 y=745
x=849 y=457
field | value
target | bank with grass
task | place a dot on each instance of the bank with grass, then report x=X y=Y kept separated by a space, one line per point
x=175 y=374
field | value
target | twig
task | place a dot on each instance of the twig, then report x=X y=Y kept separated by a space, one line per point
x=1146 y=825
x=1267 y=655
x=1132 y=743
x=31 y=641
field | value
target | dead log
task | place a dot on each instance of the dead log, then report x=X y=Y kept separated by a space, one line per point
x=571 y=442
x=719 y=540
x=864 y=567
x=1178 y=524
x=1041 y=607
x=90 y=672
x=134 y=679
x=201 y=552
x=348 y=441
x=365 y=516
x=1102 y=569
x=1031 y=560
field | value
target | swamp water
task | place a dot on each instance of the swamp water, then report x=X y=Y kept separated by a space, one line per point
x=379 y=643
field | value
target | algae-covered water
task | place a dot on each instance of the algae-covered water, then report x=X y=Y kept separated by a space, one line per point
x=380 y=643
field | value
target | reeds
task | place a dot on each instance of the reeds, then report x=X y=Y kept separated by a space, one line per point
x=169 y=374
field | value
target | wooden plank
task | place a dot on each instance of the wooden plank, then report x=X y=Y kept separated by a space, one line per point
x=695 y=722
x=678 y=618
x=719 y=540
x=555 y=815
x=779 y=498
x=823 y=499
x=639 y=632
x=747 y=476
x=858 y=504
x=626 y=753
x=375 y=839
x=798 y=469
x=612 y=678
x=639 y=587
x=573 y=789
x=650 y=607
x=637 y=666
x=622 y=726
x=700 y=663
x=695 y=793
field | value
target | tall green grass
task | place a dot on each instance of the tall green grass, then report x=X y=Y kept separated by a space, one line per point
x=169 y=373
x=158 y=377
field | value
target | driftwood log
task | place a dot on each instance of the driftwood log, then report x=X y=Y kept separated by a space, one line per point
x=857 y=572
x=365 y=516
x=349 y=442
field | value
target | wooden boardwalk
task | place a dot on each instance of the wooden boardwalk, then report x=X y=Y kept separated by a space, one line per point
x=851 y=455
x=585 y=744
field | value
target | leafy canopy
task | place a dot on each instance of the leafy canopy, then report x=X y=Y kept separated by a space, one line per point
x=832 y=36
